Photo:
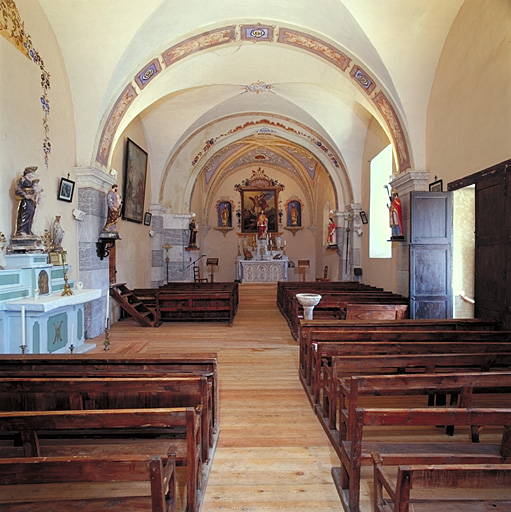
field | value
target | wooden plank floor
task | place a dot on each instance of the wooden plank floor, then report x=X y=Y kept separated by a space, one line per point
x=272 y=453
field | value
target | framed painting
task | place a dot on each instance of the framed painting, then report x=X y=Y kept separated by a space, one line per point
x=436 y=186
x=135 y=170
x=66 y=190
x=253 y=200
x=147 y=218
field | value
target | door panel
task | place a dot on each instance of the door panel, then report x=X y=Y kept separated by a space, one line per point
x=431 y=255
x=492 y=248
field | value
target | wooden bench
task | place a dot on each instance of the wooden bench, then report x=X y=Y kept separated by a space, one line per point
x=376 y=311
x=108 y=365
x=112 y=433
x=323 y=352
x=348 y=366
x=356 y=453
x=310 y=329
x=428 y=481
x=333 y=305
x=57 y=393
x=106 y=479
x=196 y=305
x=148 y=295
x=462 y=387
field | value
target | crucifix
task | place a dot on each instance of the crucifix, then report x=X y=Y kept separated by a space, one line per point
x=167 y=246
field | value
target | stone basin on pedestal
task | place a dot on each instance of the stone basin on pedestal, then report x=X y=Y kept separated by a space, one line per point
x=308 y=301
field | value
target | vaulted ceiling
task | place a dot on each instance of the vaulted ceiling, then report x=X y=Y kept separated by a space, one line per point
x=201 y=77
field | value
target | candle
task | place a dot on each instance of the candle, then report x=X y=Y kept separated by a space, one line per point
x=23 y=341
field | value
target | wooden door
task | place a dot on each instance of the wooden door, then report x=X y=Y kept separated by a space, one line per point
x=430 y=255
x=492 y=249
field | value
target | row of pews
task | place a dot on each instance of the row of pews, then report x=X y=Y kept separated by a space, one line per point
x=426 y=403
x=94 y=432
x=340 y=301
x=191 y=301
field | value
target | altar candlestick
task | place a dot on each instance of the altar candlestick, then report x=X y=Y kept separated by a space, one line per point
x=23 y=340
x=107 y=307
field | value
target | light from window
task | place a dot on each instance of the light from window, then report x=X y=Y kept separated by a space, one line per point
x=380 y=169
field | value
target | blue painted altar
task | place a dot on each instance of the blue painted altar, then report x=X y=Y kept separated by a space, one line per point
x=33 y=312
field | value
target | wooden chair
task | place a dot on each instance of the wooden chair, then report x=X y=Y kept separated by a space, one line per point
x=196 y=275
x=325 y=275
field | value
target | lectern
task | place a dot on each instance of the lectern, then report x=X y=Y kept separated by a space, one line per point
x=212 y=262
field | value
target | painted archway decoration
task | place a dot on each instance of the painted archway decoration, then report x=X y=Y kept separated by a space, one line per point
x=231 y=34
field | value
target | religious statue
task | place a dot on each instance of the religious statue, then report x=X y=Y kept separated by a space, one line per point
x=28 y=194
x=224 y=214
x=193 y=233
x=113 y=201
x=262 y=225
x=395 y=215
x=294 y=215
x=331 y=233
x=58 y=234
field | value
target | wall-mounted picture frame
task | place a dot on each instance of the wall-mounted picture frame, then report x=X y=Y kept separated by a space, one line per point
x=147 y=218
x=436 y=186
x=363 y=217
x=66 y=190
x=135 y=171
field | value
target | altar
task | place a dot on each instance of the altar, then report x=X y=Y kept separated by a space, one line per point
x=260 y=271
x=35 y=316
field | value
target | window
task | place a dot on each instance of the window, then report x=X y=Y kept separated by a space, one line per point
x=380 y=168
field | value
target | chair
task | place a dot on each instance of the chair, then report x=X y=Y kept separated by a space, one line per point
x=325 y=275
x=196 y=275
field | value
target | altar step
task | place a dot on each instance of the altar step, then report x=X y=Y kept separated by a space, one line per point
x=132 y=304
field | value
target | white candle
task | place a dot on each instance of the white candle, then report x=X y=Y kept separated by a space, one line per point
x=23 y=341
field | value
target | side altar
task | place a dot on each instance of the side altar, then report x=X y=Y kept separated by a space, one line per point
x=35 y=316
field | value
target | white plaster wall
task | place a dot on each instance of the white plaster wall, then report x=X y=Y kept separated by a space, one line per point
x=469 y=114
x=21 y=130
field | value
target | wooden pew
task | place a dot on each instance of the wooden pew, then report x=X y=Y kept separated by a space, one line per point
x=430 y=480
x=101 y=432
x=376 y=311
x=323 y=352
x=107 y=365
x=360 y=390
x=356 y=453
x=65 y=473
x=333 y=305
x=148 y=295
x=57 y=393
x=310 y=329
x=195 y=305
x=348 y=366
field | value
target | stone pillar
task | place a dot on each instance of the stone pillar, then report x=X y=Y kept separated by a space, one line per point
x=176 y=233
x=404 y=184
x=349 y=241
x=158 y=252
x=93 y=185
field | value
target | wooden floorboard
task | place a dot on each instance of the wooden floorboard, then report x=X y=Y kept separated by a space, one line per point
x=272 y=453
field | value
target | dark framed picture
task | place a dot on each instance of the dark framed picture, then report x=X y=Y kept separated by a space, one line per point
x=436 y=186
x=135 y=170
x=363 y=216
x=147 y=218
x=66 y=189
x=253 y=201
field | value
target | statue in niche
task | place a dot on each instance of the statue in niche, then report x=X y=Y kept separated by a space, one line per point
x=294 y=215
x=192 y=241
x=331 y=233
x=262 y=225
x=28 y=194
x=58 y=234
x=113 y=201
x=224 y=215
